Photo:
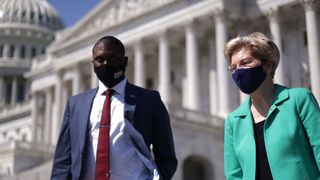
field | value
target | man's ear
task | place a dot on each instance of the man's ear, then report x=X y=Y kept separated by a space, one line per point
x=125 y=59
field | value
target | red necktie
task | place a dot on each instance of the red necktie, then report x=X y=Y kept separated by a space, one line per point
x=102 y=158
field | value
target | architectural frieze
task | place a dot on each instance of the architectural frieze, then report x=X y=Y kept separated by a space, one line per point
x=115 y=13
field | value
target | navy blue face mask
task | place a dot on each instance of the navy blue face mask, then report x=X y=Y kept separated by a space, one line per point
x=249 y=79
x=110 y=75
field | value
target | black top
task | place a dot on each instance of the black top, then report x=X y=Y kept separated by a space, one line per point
x=262 y=167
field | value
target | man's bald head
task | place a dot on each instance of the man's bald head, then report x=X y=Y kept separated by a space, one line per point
x=111 y=40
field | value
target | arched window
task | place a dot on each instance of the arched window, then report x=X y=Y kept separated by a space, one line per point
x=197 y=168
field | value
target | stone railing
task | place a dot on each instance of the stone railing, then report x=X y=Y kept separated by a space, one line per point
x=15 y=62
x=179 y=113
x=14 y=110
x=41 y=62
x=27 y=147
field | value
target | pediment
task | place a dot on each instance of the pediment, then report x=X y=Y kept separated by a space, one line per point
x=107 y=14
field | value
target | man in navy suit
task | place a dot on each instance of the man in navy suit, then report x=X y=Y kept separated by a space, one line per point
x=138 y=120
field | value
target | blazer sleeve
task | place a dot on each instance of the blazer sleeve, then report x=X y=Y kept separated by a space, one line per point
x=309 y=112
x=162 y=140
x=61 y=169
x=232 y=168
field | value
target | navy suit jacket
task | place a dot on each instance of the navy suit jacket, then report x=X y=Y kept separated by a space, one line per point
x=150 y=118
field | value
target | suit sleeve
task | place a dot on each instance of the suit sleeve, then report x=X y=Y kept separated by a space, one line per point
x=310 y=116
x=162 y=140
x=61 y=169
x=232 y=168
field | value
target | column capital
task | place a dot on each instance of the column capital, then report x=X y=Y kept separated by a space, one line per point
x=162 y=33
x=309 y=5
x=138 y=44
x=219 y=15
x=189 y=22
x=272 y=13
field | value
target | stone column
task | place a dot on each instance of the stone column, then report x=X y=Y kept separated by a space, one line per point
x=76 y=81
x=94 y=79
x=213 y=78
x=139 y=65
x=35 y=117
x=192 y=66
x=228 y=96
x=27 y=85
x=16 y=54
x=164 y=67
x=48 y=117
x=58 y=107
x=275 y=30
x=313 y=45
x=5 y=50
x=14 y=90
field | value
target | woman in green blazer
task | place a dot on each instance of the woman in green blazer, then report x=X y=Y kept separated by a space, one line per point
x=275 y=133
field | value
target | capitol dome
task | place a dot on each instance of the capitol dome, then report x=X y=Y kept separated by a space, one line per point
x=27 y=27
x=30 y=12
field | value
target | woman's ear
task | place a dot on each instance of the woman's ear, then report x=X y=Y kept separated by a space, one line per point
x=269 y=66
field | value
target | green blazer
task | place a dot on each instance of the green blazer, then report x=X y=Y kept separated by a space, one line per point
x=291 y=135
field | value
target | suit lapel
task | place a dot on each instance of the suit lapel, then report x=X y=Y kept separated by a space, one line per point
x=85 y=116
x=130 y=102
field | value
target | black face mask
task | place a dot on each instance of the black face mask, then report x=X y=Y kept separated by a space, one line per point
x=249 y=79
x=110 y=75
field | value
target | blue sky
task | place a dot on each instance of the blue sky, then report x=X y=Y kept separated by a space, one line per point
x=72 y=10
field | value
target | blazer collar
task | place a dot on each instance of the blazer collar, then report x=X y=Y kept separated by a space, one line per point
x=281 y=95
x=85 y=115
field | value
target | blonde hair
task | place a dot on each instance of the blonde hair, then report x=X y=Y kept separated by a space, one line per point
x=260 y=45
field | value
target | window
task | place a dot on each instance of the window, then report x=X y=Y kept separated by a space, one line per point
x=33 y=52
x=149 y=83
x=22 y=52
x=8 y=93
x=21 y=92
x=172 y=77
x=40 y=18
x=11 y=51
x=32 y=15
x=1 y=50
x=43 y=51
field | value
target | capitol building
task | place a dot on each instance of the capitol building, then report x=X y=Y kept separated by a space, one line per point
x=174 y=46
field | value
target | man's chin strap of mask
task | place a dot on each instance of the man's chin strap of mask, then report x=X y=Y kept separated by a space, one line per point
x=110 y=75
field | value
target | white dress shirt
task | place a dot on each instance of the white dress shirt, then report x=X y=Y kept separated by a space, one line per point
x=124 y=161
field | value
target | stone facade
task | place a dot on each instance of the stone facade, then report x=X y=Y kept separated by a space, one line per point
x=176 y=47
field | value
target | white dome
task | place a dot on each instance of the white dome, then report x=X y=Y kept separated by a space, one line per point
x=31 y=12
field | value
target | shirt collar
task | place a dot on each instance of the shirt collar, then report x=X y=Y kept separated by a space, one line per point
x=118 y=88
